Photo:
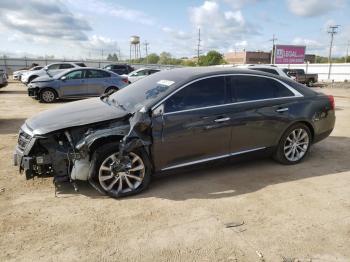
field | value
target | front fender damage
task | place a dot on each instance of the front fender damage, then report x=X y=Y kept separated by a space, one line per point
x=136 y=133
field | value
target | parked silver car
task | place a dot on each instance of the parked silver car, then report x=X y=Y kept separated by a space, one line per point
x=16 y=75
x=75 y=83
x=51 y=70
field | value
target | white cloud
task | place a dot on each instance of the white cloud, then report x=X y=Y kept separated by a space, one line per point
x=309 y=8
x=39 y=19
x=220 y=29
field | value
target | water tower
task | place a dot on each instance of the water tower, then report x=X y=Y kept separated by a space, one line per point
x=135 y=51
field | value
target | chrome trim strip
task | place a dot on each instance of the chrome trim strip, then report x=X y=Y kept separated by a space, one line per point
x=295 y=92
x=235 y=103
x=212 y=158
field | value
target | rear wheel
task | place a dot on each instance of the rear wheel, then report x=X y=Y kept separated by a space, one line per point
x=294 y=145
x=121 y=177
x=47 y=96
x=111 y=89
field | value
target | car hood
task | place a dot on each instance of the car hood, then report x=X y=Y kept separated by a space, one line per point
x=78 y=113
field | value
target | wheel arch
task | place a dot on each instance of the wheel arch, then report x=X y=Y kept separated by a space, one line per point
x=48 y=88
x=305 y=122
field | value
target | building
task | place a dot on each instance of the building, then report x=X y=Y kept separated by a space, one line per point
x=258 y=57
x=248 y=57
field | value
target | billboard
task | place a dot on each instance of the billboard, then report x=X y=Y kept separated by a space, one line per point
x=289 y=54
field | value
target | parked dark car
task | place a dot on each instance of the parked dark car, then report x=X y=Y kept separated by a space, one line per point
x=173 y=119
x=75 y=83
x=3 y=79
x=300 y=76
x=119 y=69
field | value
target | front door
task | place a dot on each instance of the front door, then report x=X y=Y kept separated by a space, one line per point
x=194 y=127
x=73 y=84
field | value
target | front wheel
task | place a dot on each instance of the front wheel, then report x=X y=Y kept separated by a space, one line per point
x=121 y=177
x=47 y=96
x=294 y=145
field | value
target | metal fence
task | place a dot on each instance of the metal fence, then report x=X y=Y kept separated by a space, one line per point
x=340 y=72
x=10 y=65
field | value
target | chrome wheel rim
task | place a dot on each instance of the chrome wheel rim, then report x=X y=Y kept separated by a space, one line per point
x=296 y=144
x=121 y=181
x=48 y=96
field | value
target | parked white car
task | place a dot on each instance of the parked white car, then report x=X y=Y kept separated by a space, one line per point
x=272 y=69
x=50 y=70
x=140 y=73
x=16 y=75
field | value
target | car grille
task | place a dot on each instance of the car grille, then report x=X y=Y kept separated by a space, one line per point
x=23 y=139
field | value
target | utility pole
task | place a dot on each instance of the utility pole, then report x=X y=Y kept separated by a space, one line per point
x=101 y=54
x=273 y=49
x=332 y=31
x=198 y=45
x=146 y=44
x=347 y=52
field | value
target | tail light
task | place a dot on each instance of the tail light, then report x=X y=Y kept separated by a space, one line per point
x=331 y=101
x=125 y=80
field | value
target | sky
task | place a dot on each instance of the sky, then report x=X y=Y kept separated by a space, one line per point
x=83 y=28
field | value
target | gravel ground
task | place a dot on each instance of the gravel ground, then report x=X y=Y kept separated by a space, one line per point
x=290 y=213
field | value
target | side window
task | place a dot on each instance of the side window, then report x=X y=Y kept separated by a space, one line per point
x=75 y=74
x=108 y=68
x=153 y=71
x=66 y=66
x=251 y=88
x=54 y=66
x=96 y=74
x=206 y=92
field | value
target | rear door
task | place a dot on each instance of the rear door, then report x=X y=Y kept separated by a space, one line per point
x=260 y=111
x=74 y=84
x=97 y=81
x=195 y=126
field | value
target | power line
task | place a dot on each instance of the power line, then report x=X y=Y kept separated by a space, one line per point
x=273 y=48
x=332 y=31
x=198 y=45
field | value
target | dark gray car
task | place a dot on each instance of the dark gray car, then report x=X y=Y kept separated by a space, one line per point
x=75 y=83
x=174 y=119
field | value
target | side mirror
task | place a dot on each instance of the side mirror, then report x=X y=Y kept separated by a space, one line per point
x=45 y=68
x=159 y=111
x=63 y=78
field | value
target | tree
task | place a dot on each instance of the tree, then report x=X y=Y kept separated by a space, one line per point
x=152 y=58
x=188 y=63
x=164 y=58
x=211 y=58
x=112 y=57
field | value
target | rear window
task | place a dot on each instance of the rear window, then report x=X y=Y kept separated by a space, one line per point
x=80 y=64
x=251 y=88
x=66 y=66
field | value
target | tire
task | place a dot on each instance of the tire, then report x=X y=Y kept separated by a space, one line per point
x=111 y=89
x=47 y=96
x=310 y=83
x=31 y=78
x=293 y=149
x=106 y=171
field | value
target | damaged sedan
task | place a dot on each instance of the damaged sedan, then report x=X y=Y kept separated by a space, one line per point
x=173 y=119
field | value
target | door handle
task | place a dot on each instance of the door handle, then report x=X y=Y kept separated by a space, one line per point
x=284 y=109
x=220 y=120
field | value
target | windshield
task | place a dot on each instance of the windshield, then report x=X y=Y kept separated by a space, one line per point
x=144 y=92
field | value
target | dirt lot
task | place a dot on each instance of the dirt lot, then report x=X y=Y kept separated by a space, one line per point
x=289 y=212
